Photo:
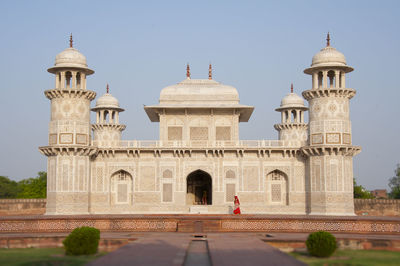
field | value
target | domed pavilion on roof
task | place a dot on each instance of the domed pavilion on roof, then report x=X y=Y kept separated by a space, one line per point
x=199 y=163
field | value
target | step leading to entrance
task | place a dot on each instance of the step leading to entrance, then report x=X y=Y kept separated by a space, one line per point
x=198 y=209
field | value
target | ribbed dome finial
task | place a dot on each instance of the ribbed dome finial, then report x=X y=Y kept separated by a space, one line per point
x=210 y=72
x=71 y=41
x=188 y=71
x=328 y=40
x=108 y=88
x=291 y=88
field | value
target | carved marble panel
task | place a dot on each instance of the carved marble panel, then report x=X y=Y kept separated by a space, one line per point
x=198 y=133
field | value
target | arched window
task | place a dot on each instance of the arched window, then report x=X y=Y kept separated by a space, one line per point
x=293 y=117
x=331 y=77
x=320 y=78
x=277 y=183
x=121 y=187
x=105 y=116
x=68 y=77
x=78 y=80
x=113 y=116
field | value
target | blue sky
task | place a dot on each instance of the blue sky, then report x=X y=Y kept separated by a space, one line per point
x=259 y=47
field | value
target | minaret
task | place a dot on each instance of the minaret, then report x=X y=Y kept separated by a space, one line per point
x=68 y=151
x=292 y=126
x=107 y=129
x=329 y=151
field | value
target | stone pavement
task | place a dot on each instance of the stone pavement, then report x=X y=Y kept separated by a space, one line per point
x=204 y=249
x=151 y=249
x=239 y=249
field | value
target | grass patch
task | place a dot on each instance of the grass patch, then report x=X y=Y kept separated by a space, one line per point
x=352 y=257
x=42 y=256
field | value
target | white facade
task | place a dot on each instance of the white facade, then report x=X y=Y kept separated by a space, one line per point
x=199 y=163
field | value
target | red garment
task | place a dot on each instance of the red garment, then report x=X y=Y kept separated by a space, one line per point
x=237 y=206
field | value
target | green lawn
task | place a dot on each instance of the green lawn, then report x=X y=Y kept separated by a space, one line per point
x=353 y=257
x=42 y=257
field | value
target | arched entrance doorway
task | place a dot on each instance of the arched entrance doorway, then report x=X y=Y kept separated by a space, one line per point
x=199 y=190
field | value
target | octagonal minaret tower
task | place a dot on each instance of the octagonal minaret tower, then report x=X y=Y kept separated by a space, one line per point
x=330 y=151
x=292 y=126
x=107 y=129
x=68 y=151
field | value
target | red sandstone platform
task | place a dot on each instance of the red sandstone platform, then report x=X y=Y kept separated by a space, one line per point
x=203 y=223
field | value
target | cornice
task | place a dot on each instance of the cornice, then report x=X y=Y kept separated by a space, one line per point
x=209 y=152
x=331 y=92
x=67 y=150
x=108 y=126
x=291 y=126
x=58 y=93
x=320 y=150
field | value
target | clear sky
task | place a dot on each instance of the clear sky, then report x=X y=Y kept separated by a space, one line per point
x=259 y=47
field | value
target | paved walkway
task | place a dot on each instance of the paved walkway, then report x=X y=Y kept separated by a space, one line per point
x=240 y=250
x=151 y=249
x=216 y=249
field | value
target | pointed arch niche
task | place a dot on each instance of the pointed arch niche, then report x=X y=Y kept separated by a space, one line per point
x=121 y=188
x=198 y=185
x=277 y=188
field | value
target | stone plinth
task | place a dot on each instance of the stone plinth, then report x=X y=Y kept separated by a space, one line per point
x=207 y=223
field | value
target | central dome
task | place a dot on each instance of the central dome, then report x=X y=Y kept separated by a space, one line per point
x=199 y=91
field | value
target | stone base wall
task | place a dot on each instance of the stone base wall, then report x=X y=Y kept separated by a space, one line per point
x=22 y=206
x=377 y=207
x=202 y=223
x=362 y=207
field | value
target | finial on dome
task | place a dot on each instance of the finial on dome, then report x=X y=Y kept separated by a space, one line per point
x=108 y=88
x=328 y=40
x=210 y=72
x=71 y=41
x=291 y=88
x=188 y=71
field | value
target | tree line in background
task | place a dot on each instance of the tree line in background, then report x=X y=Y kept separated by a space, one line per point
x=30 y=188
x=35 y=188
x=394 y=184
x=360 y=192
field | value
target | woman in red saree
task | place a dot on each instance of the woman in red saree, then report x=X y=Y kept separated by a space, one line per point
x=236 y=210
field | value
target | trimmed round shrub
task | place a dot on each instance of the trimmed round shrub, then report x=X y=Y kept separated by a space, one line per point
x=321 y=244
x=82 y=241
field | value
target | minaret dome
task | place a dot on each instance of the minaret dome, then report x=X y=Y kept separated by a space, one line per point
x=292 y=124
x=70 y=69
x=107 y=129
x=328 y=68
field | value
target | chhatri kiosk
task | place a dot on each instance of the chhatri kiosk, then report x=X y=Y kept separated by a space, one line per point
x=308 y=170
